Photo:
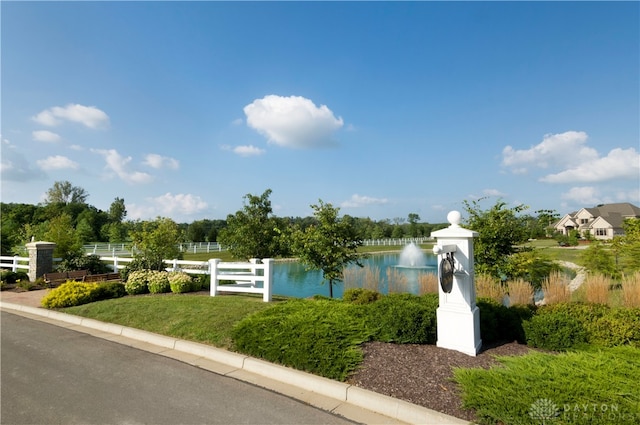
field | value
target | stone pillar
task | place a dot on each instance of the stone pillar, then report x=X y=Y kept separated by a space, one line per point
x=40 y=259
x=458 y=315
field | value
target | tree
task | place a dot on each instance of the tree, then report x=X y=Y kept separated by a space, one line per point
x=597 y=259
x=156 y=241
x=63 y=192
x=413 y=219
x=61 y=231
x=117 y=211
x=252 y=232
x=500 y=230
x=329 y=245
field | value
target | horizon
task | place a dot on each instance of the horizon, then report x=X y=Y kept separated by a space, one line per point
x=382 y=109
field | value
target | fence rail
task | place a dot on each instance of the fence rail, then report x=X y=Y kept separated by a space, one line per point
x=14 y=263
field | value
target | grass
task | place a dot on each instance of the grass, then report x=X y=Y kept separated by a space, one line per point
x=556 y=288
x=585 y=387
x=191 y=317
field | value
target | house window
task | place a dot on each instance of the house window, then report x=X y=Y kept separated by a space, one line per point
x=584 y=220
x=601 y=232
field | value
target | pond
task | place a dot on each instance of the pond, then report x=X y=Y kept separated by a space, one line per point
x=380 y=272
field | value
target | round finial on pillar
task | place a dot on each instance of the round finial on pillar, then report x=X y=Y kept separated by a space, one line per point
x=454 y=217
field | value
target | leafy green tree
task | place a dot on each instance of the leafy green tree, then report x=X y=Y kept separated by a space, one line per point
x=598 y=259
x=329 y=245
x=500 y=230
x=156 y=241
x=252 y=232
x=61 y=231
x=63 y=192
x=413 y=220
x=117 y=211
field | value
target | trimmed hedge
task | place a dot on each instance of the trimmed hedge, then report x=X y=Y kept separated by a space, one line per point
x=404 y=318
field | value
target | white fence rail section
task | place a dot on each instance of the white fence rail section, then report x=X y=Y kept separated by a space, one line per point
x=13 y=263
x=396 y=241
x=246 y=276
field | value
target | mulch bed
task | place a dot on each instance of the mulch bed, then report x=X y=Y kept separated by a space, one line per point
x=422 y=374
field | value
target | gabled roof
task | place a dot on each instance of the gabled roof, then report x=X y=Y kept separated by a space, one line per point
x=624 y=209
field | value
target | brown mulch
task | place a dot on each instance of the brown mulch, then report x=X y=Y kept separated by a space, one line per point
x=422 y=374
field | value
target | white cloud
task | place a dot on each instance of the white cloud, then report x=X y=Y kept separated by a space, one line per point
x=585 y=195
x=168 y=205
x=14 y=166
x=245 y=150
x=158 y=161
x=89 y=116
x=119 y=165
x=564 y=149
x=357 y=201
x=57 y=162
x=45 y=136
x=294 y=121
x=618 y=164
x=493 y=192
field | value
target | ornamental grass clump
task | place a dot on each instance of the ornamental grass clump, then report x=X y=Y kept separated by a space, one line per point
x=556 y=288
x=181 y=282
x=158 y=282
x=631 y=290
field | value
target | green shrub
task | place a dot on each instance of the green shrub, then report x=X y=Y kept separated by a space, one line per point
x=136 y=282
x=108 y=290
x=203 y=281
x=80 y=261
x=618 y=326
x=405 y=318
x=180 y=282
x=8 y=276
x=157 y=282
x=556 y=331
x=69 y=294
x=361 y=296
x=499 y=323
x=317 y=336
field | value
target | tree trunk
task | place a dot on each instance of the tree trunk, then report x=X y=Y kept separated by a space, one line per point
x=330 y=288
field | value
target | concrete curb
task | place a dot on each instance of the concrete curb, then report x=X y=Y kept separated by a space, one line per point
x=390 y=407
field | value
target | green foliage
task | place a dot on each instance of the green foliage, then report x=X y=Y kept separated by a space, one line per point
x=598 y=259
x=156 y=241
x=69 y=294
x=181 y=282
x=317 y=336
x=361 y=296
x=531 y=265
x=61 y=231
x=405 y=318
x=253 y=232
x=80 y=261
x=557 y=331
x=329 y=245
x=8 y=276
x=618 y=326
x=500 y=230
x=136 y=282
x=63 y=192
x=157 y=281
x=499 y=323
x=584 y=387
x=108 y=290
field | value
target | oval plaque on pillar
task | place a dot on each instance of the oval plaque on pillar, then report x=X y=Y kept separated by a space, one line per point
x=446 y=273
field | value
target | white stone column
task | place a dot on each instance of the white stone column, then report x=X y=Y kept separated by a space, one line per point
x=40 y=259
x=457 y=315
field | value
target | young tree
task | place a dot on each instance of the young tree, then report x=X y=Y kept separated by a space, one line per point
x=252 y=232
x=64 y=192
x=61 y=231
x=156 y=241
x=329 y=245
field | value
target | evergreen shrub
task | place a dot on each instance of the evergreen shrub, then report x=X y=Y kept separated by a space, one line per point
x=618 y=326
x=405 y=318
x=108 y=290
x=557 y=331
x=8 y=276
x=499 y=323
x=361 y=296
x=69 y=294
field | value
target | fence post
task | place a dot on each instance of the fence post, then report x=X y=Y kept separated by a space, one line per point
x=14 y=266
x=115 y=264
x=268 y=279
x=213 y=272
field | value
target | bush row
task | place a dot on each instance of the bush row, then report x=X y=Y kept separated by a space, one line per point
x=72 y=293
x=322 y=336
x=157 y=282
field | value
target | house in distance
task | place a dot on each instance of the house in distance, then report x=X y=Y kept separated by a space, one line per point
x=603 y=222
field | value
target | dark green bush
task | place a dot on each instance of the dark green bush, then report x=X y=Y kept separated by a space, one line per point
x=405 y=318
x=499 y=323
x=79 y=261
x=555 y=330
x=316 y=336
x=8 y=276
x=361 y=296
x=618 y=326
x=108 y=290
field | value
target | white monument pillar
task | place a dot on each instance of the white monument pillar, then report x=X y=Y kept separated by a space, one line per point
x=458 y=315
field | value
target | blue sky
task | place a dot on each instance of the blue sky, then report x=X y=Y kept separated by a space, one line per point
x=382 y=109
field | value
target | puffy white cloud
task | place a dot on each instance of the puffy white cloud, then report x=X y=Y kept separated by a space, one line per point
x=89 y=116
x=57 y=162
x=357 y=201
x=585 y=195
x=168 y=205
x=45 y=136
x=119 y=165
x=158 y=161
x=618 y=164
x=564 y=149
x=293 y=122
x=493 y=192
x=245 y=150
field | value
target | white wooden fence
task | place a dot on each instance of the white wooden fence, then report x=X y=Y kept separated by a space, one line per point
x=14 y=263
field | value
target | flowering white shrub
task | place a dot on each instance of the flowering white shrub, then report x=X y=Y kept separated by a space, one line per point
x=180 y=282
x=158 y=282
x=137 y=283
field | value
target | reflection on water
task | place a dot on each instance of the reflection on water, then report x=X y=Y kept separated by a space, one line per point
x=380 y=270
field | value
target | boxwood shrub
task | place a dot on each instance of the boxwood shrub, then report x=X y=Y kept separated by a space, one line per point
x=405 y=318
x=499 y=323
x=557 y=331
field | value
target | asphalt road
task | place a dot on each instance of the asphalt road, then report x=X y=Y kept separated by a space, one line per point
x=52 y=375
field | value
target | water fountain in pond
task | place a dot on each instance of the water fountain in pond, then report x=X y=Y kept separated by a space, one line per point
x=412 y=256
